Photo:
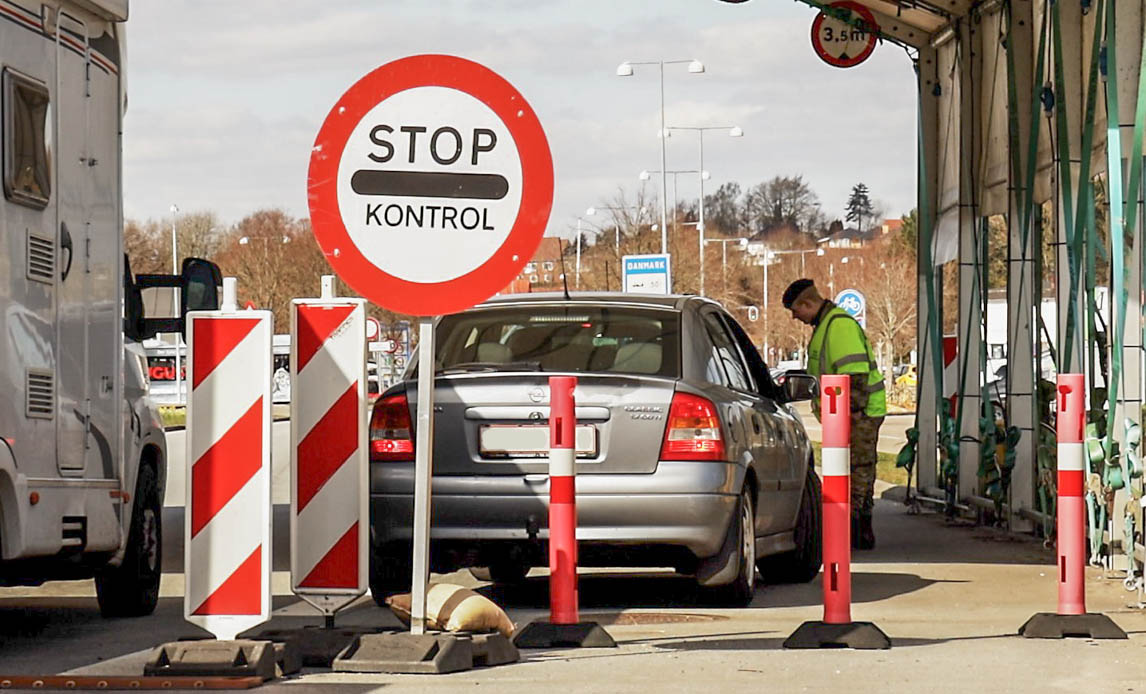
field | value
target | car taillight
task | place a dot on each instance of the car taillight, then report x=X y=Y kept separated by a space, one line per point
x=391 y=431
x=693 y=430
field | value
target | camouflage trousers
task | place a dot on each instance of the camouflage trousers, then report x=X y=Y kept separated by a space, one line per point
x=864 y=438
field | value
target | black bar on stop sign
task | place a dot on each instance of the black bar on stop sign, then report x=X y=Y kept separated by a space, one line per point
x=429 y=184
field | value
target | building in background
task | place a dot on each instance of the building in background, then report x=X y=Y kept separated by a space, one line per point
x=543 y=272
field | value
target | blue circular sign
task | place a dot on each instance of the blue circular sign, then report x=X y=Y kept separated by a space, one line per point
x=854 y=303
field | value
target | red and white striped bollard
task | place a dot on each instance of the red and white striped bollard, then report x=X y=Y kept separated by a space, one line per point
x=835 y=416
x=837 y=628
x=564 y=627
x=562 y=501
x=1070 y=427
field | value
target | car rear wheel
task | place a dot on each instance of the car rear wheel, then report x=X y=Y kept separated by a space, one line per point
x=390 y=572
x=803 y=563
x=739 y=592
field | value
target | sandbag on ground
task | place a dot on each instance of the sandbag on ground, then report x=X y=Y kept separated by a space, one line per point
x=450 y=607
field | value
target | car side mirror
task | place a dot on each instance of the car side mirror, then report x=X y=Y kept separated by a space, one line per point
x=198 y=284
x=799 y=387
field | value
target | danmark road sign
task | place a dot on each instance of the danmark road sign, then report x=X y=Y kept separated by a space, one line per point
x=646 y=274
x=430 y=184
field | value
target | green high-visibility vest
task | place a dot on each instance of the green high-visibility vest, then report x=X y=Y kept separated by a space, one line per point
x=839 y=346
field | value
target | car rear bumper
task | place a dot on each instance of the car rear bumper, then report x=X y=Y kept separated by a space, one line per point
x=684 y=505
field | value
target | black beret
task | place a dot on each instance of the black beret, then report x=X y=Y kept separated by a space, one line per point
x=794 y=290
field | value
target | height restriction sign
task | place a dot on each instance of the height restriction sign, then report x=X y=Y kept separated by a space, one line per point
x=430 y=184
x=844 y=34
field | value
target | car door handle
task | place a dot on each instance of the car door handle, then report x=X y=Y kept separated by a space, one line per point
x=756 y=424
x=536 y=479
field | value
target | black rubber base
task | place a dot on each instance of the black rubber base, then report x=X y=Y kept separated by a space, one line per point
x=1047 y=625
x=547 y=635
x=316 y=646
x=425 y=654
x=210 y=658
x=857 y=635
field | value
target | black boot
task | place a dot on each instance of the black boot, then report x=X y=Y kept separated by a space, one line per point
x=866 y=533
x=857 y=533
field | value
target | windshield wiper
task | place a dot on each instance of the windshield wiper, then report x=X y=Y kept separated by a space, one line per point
x=467 y=366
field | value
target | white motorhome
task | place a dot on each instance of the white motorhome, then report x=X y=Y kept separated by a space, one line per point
x=82 y=452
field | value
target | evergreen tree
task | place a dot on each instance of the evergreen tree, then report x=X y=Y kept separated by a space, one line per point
x=859 y=206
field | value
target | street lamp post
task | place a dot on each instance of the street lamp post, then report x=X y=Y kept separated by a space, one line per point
x=592 y=212
x=647 y=174
x=625 y=69
x=803 y=271
x=733 y=131
x=741 y=240
x=175 y=307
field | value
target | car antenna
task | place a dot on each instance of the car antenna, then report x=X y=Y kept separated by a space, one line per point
x=564 y=276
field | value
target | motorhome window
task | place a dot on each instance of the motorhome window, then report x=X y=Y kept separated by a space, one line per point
x=27 y=172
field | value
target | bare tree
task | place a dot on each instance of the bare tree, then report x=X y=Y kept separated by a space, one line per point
x=782 y=202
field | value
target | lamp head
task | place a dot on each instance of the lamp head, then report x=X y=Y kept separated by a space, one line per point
x=704 y=175
x=736 y=132
x=696 y=67
x=644 y=176
x=624 y=70
x=591 y=211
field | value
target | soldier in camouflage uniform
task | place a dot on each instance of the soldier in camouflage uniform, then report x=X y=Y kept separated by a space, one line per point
x=839 y=346
x=863 y=441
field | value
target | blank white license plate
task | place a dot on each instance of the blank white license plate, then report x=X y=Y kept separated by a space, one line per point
x=530 y=440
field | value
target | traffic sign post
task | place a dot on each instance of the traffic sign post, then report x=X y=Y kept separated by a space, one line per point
x=844 y=34
x=430 y=186
x=854 y=303
x=646 y=274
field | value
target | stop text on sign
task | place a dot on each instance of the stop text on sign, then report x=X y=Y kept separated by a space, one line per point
x=410 y=187
x=430 y=184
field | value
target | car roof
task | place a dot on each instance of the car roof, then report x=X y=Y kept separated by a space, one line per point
x=674 y=301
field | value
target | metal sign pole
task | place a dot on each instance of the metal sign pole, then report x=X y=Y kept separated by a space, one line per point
x=423 y=465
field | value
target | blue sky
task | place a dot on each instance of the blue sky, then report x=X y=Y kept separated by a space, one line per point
x=225 y=97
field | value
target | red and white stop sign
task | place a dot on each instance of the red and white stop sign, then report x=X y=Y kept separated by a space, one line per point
x=844 y=34
x=430 y=184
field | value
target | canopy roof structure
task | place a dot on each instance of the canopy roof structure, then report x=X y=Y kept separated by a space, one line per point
x=1032 y=115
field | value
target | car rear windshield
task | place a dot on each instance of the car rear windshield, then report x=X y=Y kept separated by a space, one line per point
x=589 y=339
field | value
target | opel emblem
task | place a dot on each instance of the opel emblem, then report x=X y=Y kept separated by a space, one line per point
x=537 y=395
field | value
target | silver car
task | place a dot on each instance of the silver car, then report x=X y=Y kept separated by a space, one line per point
x=688 y=455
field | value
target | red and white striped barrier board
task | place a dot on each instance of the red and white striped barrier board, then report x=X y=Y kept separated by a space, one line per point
x=562 y=501
x=835 y=416
x=228 y=519
x=1070 y=425
x=329 y=485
